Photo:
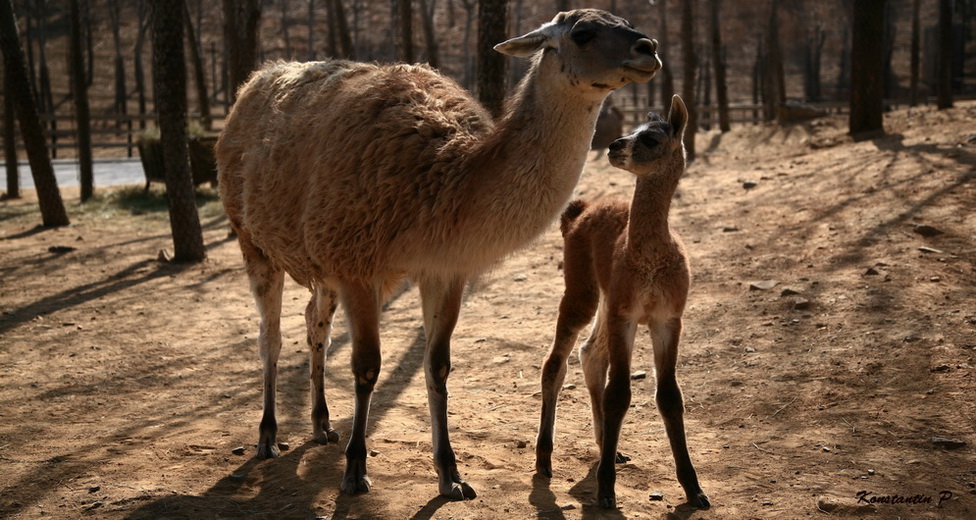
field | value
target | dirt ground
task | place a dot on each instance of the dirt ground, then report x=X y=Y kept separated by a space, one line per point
x=844 y=390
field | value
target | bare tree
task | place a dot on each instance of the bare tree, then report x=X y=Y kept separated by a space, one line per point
x=169 y=75
x=888 y=79
x=79 y=91
x=943 y=82
x=310 y=23
x=121 y=96
x=718 y=62
x=492 y=23
x=45 y=102
x=10 y=142
x=774 y=83
x=285 y=24
x=757 y=75
x=867 y=67
x=339 y=28
x=139 y=72
x=916 y=28
x=469 y=11
x=404 y=25
x=241 y=21
x=199 y=77
x=814 y=38
x=666 y=74
x=844 y=65
x=430 y=39
x=690 y=66
x=15 y=72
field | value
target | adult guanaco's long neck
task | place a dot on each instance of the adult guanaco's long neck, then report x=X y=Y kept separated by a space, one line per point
x=523 y=174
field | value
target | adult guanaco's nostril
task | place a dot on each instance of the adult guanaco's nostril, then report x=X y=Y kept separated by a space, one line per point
x=645 y=46
x=617 y=145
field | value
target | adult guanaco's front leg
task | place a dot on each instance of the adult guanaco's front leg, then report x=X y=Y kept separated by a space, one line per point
x=362 y=304
x=441 y=305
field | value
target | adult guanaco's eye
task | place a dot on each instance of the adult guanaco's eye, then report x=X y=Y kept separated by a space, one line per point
x=583 y=37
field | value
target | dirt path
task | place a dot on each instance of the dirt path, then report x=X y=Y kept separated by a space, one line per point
x=127 y=383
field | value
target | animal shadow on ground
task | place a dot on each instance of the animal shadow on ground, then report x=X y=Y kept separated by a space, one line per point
x=288 y=485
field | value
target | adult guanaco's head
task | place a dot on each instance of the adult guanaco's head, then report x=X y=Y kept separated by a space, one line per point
x=594 y=49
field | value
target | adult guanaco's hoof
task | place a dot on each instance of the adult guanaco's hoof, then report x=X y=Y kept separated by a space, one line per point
x=268 y=450
x=328 y=437
x=699 y=500
x=459 y=491
x=355 y=484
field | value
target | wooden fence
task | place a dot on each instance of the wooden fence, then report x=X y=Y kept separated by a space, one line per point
x=110 y=133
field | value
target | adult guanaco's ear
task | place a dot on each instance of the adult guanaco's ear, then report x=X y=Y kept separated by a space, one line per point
x=678 y=116
x=530 y=43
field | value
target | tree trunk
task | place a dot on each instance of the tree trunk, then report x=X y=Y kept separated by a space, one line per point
x=690 y=65
x=666 y=74
x=79 y=91
x=310 y=23
x=889 y=81
x=10 y=142
x=285 y=36
x=492 y=23
x=340 y=30
x=15 y=71
x=138 y=70
x=816 y=37
x=867 y=67
x=758 y=71
x=469 y=10
x=774 y=85
x=86 y=17
x=199 y=77
x=345 y=37
x=430 y=39
x=121 y=103
x=241 y=20
x=29 y=46
x=718 y=61
x=844 y=66
x=943 y=82
x=404 y=26
x=45 y=103
x=916 y=37
x=170 y=86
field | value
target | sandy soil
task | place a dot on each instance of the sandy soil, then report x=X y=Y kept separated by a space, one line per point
x=126 y=383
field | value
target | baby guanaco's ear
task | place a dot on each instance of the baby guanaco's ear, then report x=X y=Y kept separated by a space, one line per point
x=678 y=116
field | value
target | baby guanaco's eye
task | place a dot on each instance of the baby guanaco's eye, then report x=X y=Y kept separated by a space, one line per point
x=648 y=140
x=582 y=37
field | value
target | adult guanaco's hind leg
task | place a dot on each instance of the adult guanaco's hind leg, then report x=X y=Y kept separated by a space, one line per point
x=267 y=284
x=318 y=322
